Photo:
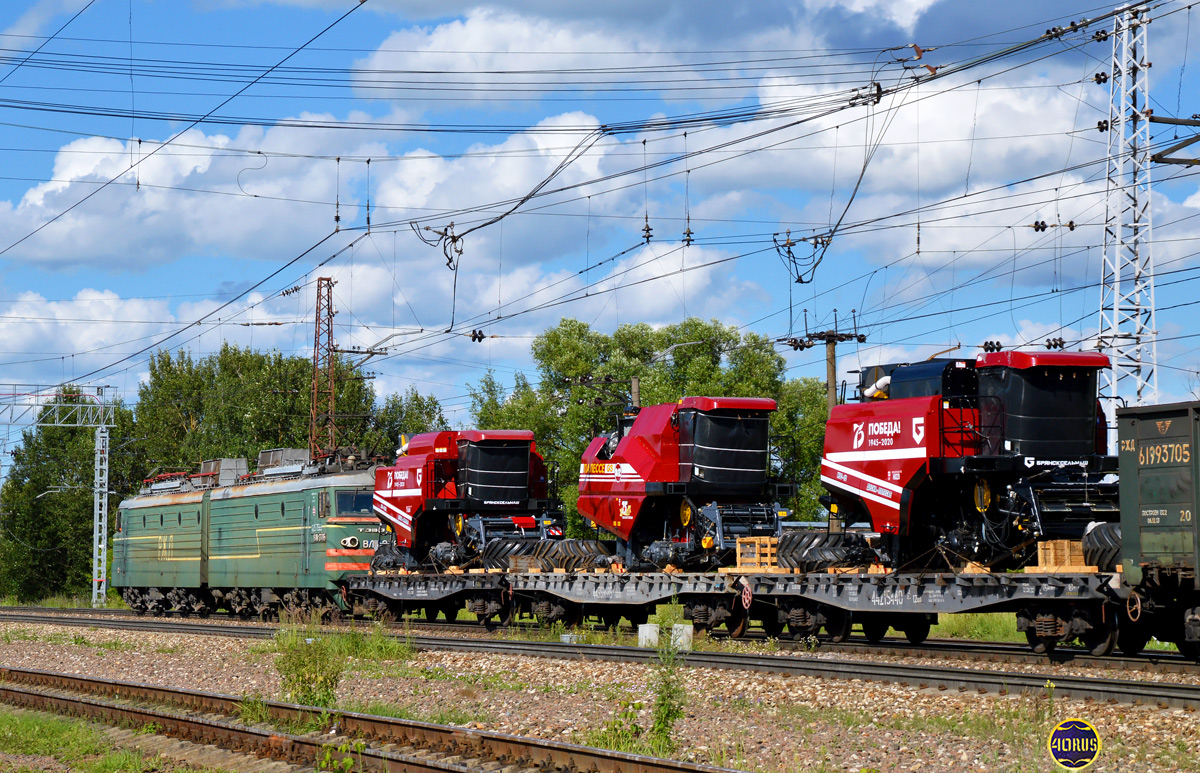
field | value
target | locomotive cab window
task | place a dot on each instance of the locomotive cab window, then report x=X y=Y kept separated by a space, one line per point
x=354 y=502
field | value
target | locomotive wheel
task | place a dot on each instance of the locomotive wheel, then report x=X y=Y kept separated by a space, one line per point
x=1132 y=639
x=837 y=624
x=874 y=629
x=917 y=631
x=1100 y=640
x=1189 y=649
x=1038 y=644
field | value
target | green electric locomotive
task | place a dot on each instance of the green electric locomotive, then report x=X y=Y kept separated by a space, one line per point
x=284 y=537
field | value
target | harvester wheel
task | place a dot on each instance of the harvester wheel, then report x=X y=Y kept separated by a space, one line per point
x=874 y=629
x=1102 y=547
x=819 y=551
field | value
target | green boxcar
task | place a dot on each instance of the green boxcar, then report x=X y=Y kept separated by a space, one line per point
x=1159 y=502
x=251 y=548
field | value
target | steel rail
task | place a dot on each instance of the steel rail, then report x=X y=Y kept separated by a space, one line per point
x=422 y=746
x=918 y=675
x=1150 y=660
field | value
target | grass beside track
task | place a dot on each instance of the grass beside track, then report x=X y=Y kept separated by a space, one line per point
x=31 y=741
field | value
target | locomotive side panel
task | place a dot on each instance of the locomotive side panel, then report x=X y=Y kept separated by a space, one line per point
x=160 y=545
x=258 y=540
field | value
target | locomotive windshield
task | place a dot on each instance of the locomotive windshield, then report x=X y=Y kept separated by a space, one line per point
x=494 y=470
x=730 y=446
x=354 y=502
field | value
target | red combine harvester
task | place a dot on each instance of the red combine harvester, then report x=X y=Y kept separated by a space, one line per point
x=679 y=483
x=460 y=498
x=959 y=461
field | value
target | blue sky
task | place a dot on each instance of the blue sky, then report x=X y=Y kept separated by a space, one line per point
x=462 y=109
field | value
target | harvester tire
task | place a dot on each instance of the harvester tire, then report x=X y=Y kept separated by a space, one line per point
x=818 y=551
x=1102 y=547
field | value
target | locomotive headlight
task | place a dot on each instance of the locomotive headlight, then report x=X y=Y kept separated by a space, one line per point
x=685 y=513
x=707 y=542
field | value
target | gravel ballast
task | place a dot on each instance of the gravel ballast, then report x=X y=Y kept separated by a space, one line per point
x=753 y=721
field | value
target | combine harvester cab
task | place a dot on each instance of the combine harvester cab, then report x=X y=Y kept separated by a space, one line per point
x=958 y=462
x=679 y=483
x=463 y=499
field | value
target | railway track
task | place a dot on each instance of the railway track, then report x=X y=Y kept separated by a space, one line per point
x=372 y=742
x=1149 y=661
x=921 y=676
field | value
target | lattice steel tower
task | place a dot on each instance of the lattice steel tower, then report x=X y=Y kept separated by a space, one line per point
x=322 y=431
x=1128 y=333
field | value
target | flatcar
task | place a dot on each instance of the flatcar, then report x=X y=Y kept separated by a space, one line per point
x=285 y=537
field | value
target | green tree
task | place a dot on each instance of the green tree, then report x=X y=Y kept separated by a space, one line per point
x=239 y=401
x=404 y=414
x=693 y=357
x=46 y=505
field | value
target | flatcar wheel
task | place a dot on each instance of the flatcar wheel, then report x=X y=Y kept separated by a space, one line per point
x=737 y=624
x=772 y=626
x=799 y=632
x=874 y=629
x=431 y=613
x=611 y=619
x=917 y=631
x=1101 y=640
x=837 y=625
x=636 y=617
x=1132 y=639
x=1039 y=644
x=1189 y=649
